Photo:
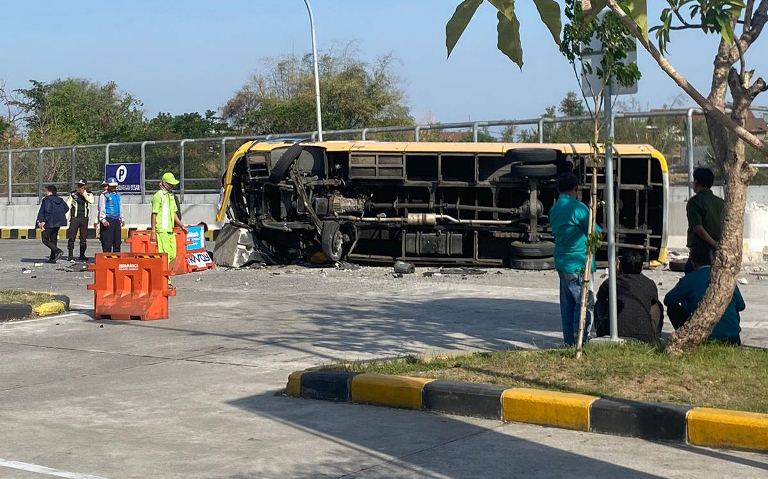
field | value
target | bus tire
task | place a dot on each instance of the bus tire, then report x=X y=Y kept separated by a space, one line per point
x=534 y=171
x=532 y=156
x=332 y=241
x=542 y=249
x=532 y=264
x=280 y=169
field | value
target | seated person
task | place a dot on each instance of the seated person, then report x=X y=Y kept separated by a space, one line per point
x=683 y=299
x=639 y=314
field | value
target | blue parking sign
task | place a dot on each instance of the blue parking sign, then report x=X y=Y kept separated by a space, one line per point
x=128 y=176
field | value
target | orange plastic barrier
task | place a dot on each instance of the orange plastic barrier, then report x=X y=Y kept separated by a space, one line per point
x=139 y=242
x=131 y=286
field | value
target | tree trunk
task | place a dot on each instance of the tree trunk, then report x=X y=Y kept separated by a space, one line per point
x=727 y=262
x=728 y=256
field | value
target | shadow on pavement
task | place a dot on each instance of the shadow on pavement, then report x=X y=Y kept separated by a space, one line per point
x=350 y=440
x=386 y=328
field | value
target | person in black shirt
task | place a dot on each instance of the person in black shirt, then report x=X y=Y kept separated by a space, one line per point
x=51 y=217
x=640 y=315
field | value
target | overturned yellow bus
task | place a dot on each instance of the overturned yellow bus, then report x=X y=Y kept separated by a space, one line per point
x=439 y=203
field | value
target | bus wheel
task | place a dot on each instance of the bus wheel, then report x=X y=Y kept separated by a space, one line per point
x=534 y=171
x=532 y=156
x=542 y=249
x=532 y=264
x=280 y=169
x=332 y=241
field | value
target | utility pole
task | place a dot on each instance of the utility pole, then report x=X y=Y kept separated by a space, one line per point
x=317 y=74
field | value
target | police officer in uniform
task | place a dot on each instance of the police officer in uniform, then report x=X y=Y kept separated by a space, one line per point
x=110 y=218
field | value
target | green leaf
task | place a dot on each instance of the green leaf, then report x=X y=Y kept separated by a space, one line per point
x=505 y=7
x=726 y=31
x=509 y=38
x=638 y=11
x=549 y=11
x=459 y=21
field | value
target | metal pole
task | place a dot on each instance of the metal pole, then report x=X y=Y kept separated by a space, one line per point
x=40 y=174
x=417 y=133
x=317 y=73
x=10 y=174
x=689 y=147
x=181 y=170
x=475 y=131
x=106 y=155
x=74 y=161
x=610 y=213
x=363 y=134
x=144 y=170
x=541 y=130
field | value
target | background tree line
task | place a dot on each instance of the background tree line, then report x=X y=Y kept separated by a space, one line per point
x=278 y=98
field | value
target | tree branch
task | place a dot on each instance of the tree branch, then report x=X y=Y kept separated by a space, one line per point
x=706 y=105
x=743 y=65
x=748 y=15
x=757 y=88
x=757 y=22
x=687 y=26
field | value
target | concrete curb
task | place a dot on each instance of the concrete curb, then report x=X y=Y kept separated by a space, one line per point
x=11 y=311
x=654 y=421
x=59 y=303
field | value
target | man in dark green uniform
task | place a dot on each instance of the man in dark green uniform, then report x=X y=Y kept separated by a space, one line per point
x=705 y=213
x=79 y=201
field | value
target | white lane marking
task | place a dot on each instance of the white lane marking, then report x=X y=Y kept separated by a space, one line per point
x=23 y=466
x=44 y=318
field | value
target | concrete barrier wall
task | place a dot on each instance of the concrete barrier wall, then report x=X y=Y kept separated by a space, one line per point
x=755 y=219
x=202 y=208
x=195 y=209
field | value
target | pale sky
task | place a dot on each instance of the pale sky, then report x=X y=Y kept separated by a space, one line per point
x=179 y=56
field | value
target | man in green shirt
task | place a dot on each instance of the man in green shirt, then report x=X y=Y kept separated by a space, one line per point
x=705 y=213
x=165 y=217
x=569 y=219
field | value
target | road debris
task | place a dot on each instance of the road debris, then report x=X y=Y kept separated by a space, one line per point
x=459 y=271
x=404 y=268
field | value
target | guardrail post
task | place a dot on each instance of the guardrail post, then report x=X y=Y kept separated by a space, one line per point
x=363 y=134
x=144 y=170
x=181 y=170
x=106 y=156
x=313 y=137
x=475 y=131
x=689 y=147
x=74 y=161
x=417 y=133
x=40 y=174
x=10 y=175
x=541 y=129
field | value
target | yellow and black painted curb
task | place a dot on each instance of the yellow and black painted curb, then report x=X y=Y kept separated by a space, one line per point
x=654 y=421
x=36 y=233
x=58 y=304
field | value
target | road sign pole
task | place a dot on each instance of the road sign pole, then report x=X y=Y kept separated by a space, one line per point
x=610 y=211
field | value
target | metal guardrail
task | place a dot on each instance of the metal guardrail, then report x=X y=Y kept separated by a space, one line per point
x=539 y=123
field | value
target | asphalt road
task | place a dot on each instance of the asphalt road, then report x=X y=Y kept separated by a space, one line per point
x=196 y=395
